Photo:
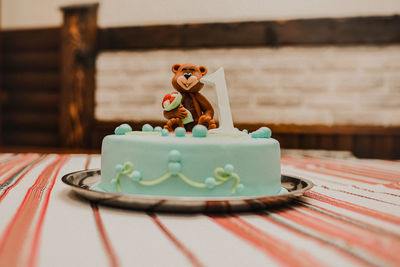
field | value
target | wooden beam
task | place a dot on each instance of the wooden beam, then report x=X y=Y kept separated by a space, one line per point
x=31 y=138
x=33 y=101
x=48 y=60
x=32 y=81
x=324 y=129
x=78 y=55
x=305 y=32
x=30 y=40
x=28 y=120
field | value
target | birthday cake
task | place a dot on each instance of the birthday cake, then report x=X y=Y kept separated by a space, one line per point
x=189 y=156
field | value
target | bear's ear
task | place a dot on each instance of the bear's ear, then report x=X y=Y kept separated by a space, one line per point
x=203 y=70
x=175 y=68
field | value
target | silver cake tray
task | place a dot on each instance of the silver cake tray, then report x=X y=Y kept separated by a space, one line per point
x=82 y=181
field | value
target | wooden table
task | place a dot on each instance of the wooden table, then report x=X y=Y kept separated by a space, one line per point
x=350 y=218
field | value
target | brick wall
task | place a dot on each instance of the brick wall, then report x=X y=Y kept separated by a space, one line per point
x=299 y=85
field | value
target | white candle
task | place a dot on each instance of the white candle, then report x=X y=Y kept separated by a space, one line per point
x=217 y=79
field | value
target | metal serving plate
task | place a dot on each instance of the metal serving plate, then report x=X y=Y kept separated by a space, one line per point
x=81 y=182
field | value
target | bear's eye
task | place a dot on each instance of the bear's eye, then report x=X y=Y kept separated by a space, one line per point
x=191 y=69
x=184 y=69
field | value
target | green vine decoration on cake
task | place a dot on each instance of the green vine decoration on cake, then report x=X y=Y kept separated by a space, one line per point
x=221 y=175
x=126 y=170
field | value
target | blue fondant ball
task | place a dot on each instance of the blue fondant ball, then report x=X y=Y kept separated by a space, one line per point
x=210 y=182
x=157 y=129
x=147 y=128
x=119 y=168
x=136 y=176
x=174 y=156
x=240 y=188
x=228 y=168
x=180 y=132
x=174 y=167
x=122 y=129
x=199 y=131
x=164 y=132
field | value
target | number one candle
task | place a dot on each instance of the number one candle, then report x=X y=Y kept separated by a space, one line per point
x=217 y=79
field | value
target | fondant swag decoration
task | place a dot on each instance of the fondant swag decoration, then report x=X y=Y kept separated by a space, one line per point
x=221 y=175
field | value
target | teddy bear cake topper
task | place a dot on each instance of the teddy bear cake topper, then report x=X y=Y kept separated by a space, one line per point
x=187 y=107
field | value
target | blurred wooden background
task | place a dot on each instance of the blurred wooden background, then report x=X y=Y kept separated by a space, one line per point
x=48 y=76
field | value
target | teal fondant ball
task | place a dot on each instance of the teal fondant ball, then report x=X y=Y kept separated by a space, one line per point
x=119 y=168
x=157 y=129
x=174 y=156
x=256 y=134
x=180 y=132
x=210 y=182
x=245 y=131
x=136 y=176
x=199 y=131
x=147 y=128
x=240 y=188
x=228 y=168
x=122 y=129
x=164 y=132
x=265 y=132
x=174 y=167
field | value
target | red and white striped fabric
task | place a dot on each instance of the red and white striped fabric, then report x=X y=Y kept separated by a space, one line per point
x=350 y=218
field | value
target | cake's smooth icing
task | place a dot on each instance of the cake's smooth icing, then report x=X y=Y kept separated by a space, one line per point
x=154 y=162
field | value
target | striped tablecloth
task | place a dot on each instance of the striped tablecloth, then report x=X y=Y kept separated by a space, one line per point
x=350 y=218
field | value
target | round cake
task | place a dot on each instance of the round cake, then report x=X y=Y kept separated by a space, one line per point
x=190 y=156
x=157 y=162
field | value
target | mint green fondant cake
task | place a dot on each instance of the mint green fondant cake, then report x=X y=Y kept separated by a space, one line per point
x=194 y=164
x=219 y=162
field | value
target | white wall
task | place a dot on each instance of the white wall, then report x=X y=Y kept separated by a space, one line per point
x=44 y=13
x=292 y=85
